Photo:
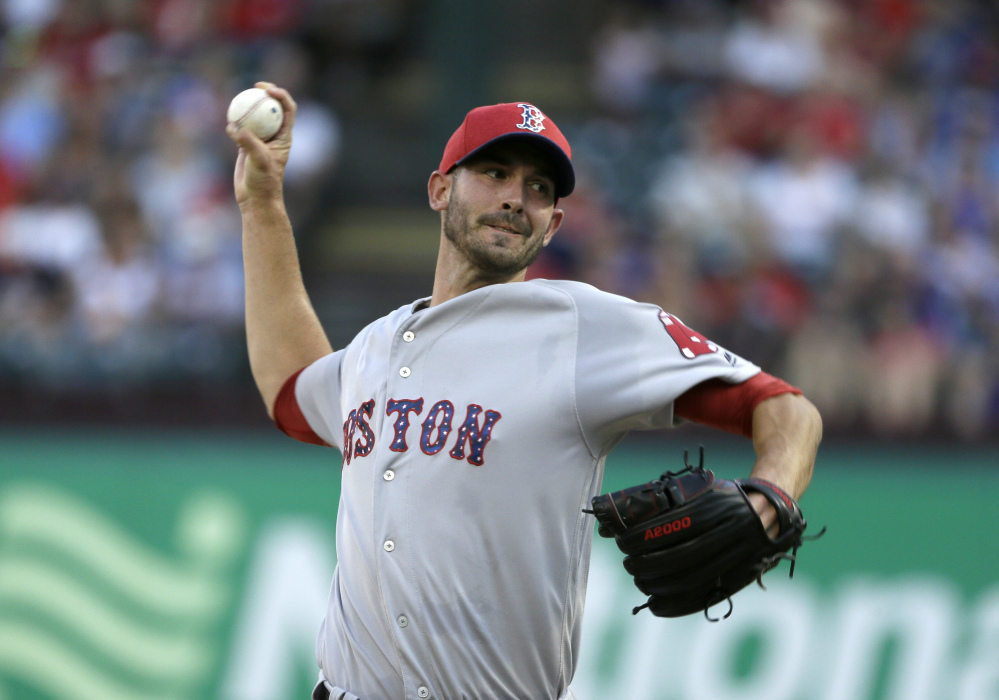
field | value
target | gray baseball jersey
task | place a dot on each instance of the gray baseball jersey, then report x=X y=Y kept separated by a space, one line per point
x=473 y=434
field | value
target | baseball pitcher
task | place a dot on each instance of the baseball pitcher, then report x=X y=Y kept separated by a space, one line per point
x=474 y=425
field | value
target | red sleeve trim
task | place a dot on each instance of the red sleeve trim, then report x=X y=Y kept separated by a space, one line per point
x=729 y=407
x=289 y=417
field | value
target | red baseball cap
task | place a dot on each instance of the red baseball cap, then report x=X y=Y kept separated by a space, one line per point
x=512 y=120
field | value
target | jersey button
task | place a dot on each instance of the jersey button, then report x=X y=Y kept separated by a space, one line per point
x=402 y=620
x=388 y=475
x=423 y=692
x=389 y=545
x=405 y=372
x=409 y=336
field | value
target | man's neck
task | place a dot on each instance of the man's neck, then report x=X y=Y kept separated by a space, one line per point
x=447 y=287
x=456 y=276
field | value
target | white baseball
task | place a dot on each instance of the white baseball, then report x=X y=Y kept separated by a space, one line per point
x=257 y=111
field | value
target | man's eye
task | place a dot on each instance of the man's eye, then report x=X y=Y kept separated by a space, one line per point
x=540 y=187
x=494 y=173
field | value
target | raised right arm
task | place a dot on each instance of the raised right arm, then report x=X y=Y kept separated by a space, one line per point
x=283 y=333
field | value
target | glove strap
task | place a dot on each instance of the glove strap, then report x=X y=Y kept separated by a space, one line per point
x=778 y=497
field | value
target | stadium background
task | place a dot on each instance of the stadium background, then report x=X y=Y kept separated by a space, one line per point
x=812 y=183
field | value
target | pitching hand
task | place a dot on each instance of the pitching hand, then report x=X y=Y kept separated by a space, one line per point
x=260 y=166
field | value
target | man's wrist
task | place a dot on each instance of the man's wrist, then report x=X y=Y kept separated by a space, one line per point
x=262 y=204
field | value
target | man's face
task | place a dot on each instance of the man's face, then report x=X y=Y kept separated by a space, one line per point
x=500 y=208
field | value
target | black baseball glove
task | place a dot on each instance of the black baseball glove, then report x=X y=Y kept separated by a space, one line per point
x=692 y=540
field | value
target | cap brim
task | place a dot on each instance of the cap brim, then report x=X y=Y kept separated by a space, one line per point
x=565 y=176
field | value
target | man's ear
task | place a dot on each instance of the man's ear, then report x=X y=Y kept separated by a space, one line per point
x=439 y=190
x=554 y=224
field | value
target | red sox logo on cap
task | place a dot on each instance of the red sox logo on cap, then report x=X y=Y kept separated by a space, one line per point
x=522 y=121
x=533 y=118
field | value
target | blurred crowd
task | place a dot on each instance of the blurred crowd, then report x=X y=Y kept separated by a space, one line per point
x=120 y=256
x=812 y=183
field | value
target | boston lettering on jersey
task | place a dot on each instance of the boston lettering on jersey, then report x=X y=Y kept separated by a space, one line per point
x=435 y=429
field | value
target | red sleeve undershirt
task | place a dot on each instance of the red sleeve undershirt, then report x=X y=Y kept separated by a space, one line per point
x=729 y=407
x=289 y=417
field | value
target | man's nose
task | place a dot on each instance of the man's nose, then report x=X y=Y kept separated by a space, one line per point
x=513 y=195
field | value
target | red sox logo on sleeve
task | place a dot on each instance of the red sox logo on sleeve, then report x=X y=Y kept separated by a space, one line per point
x=533 y=118
x=690 y=342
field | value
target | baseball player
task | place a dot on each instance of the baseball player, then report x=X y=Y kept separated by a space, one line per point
x=474 y=423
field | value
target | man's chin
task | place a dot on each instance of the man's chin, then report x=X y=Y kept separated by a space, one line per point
x=499 y=267
x=501 y=261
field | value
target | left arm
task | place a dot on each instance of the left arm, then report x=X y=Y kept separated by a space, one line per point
x=787 y=430
x=784 y=426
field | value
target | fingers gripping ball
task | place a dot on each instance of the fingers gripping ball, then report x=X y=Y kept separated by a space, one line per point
x=692 y=540
x=257 y=111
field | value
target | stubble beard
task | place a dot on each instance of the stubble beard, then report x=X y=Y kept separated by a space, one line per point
x=490 y=259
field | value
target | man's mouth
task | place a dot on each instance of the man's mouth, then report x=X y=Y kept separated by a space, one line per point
x=506 y=229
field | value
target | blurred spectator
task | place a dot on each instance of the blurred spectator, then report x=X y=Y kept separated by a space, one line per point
x=772 y=48
x=826 y=359
x=119 y=287
x=41 y=340
x=31 y=117
x=628 y=56
x=702 y=194
x=805 y=198
x=891 y=213
x=28 y=15
x=904 y=372
x=49 y=234
x=316 y=146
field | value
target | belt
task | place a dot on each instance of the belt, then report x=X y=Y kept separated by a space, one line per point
x=321 y=692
